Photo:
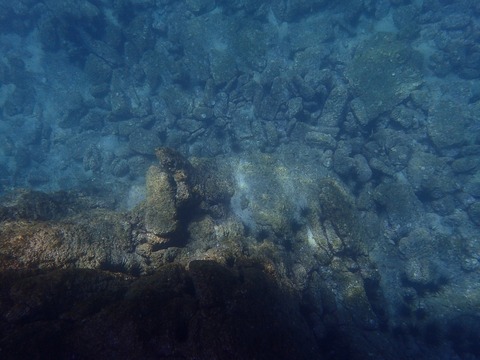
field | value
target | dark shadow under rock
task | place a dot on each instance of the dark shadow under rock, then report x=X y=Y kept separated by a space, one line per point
x=206 y=312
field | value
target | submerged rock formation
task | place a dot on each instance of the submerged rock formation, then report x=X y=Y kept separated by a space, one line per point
x=225 y=259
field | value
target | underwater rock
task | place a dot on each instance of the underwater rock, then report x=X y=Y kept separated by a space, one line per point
x=430 y=176
x=291 y=10
x=406 y=19
x=143 y=141
x=97 y=69
x=472 y=186
x=200 y=6
x=161 y=217
x=85 y=10
x=119 y=167
x=383 y=73
x=206 y=311
x=402 y=206
x=140 y=33
x=92 y=159
x=405 y=117
x=474 y=212
x=333 y=112
x=32 y=205
x=95 y=241
x=170 y=193
x=360 y=112
x=93 y=120
x=338 y=206
x=324 y=141
x=465 y=164
x=362 y=169
x=343 y=163
x=446 y=125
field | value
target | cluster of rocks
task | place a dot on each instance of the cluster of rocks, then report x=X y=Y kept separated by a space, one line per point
x=217 y=240
x=208 y=79
x=333 y=147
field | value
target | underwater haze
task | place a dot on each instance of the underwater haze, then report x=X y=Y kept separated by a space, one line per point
x=310 y=169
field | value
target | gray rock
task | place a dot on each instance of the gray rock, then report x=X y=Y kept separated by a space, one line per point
x=360 y=112
x=362 y=169
x=383 y=73
x=119 y=167
x=406 y=20
x=325 y=141
x=474 y=213
x=143 y=141
x=455 y=21
x=405 y=117
x=222 y=66
x=466 y=164
x=446 y=125
x=294 y=107
x=333 y=112
x=291 y=10
x=343 y=164
x=93 y=120
x=430 y=175
x=161 y=216
x=472 y=186
x=92 y=159
x=220 y=109
x=380 y=166
x=120 y=104
x=421 y=272
x=140 y=33
x=200 y=6
x=402 y=206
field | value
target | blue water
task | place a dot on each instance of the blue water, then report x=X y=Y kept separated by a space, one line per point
x=382 y=96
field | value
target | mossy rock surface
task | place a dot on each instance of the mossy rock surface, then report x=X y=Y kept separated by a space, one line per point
x=383 y=73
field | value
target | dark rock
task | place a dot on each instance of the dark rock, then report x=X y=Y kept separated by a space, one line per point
x=446 y=125
x=143 y=141
x=360 y=112
x=119 y=167
x=474 y=212
x=92 y=159
x=291 y=10
x=405 y=117
x=294 y=107
x=472 y=186
x=38 y=177
x=333 y=112
x=93 y=120
x=430 y=176
x=406 y=19
x=465 y=164
x=222 y=66
x=48 y=33
x=140 y=33
x=402 y=206
x=325 y=141
x=161 y=217
x=362 y=169
x=383 y=73
x=343 y=163
x=32 y=205
x=455 y=21
x=97 y=70
x=175 y=312
x=120 y=104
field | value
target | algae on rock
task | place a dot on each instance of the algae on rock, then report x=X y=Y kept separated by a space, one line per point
x=383 y=73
